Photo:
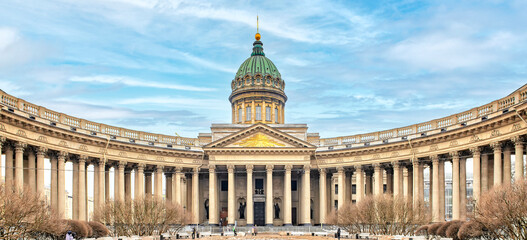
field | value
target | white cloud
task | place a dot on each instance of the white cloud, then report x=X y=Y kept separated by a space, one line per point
x=14 y=50
x=105 y=79
x=180 y=102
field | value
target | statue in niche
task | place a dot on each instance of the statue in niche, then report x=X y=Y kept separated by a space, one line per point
x=276 y=211
x=241 y=209
x=206 y=209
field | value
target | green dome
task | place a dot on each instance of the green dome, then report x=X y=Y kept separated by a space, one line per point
x=258 y=64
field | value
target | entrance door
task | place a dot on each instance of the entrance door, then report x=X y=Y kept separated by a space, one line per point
x=293 y=212
x=259 y=213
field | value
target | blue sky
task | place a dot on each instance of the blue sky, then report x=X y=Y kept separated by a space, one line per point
x=350 y=66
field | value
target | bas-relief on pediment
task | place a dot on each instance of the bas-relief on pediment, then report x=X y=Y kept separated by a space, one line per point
x=259 y=140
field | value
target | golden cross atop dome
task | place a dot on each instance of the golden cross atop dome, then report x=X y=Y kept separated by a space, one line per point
x=257 y=36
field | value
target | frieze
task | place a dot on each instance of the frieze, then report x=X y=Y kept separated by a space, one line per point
x=83 y=147
x=122 y=154
x=339 y=160
x=376 y=156
x=63 y=143
x=42 y=139
x=395 y=154
x=516 y=127
x=434 y=147
x=474 y=139
x=414 y=151
x=162 y=159
x=102 y=150
x=495 y=133
x=141 y=157
x=178 y=160
x=196 y=161
x=2 y=127
x=453 y=143
x=358 y=158
x=21 y=133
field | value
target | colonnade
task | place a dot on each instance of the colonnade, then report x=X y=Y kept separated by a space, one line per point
x=24 y=168
x=491 y=167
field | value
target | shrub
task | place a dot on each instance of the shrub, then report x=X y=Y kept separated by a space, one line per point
x=441 y=231
x=99 y=230
x=432 y=230
x=453 y=229
x=470 y=230
x=80 y=228
x=423 y=230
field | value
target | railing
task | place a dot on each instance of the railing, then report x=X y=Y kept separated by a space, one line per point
x=512 y=99
x=78 y=123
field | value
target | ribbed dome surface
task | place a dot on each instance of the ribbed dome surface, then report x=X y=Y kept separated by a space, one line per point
x=258 y=64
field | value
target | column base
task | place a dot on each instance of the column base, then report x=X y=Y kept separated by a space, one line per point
x=268 y=225
x=214 y=224
x=305 y=224
x=288 y=225
x=230 y=225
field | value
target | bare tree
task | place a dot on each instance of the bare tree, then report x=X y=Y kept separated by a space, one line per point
x=383 y=215
x=24 y=214
x=142 y=217
x=503 y=211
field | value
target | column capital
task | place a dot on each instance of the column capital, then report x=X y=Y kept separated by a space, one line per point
x=20 y=146
x=288 y=167
x=396 y=164
x=159 y=168
x=340 y=169
x=141 y=166
x=83 y=158
x=230 y=168
x=435 y=159
x=307 y=168
x=41 y=151
x=249 y=167
x=269 y=168
x=377 y=166
x=121 y=164
x=2 y=140
x=454 y=154
x=518 y=140
x=476 y=151
x=212 y=168
x=496 y=146
x=358 y=167
x=179 y=169
x=322 y=170
x=195 y=170
x=62 y=155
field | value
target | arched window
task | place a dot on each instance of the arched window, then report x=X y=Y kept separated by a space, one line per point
x=276 y=115
x=268 y=113
x=248 y=114
x=240 y=113
x=258 y=113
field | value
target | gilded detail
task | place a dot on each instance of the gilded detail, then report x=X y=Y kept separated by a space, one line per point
x=259 y=140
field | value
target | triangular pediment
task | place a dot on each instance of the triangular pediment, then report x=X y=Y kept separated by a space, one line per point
x=259 y=136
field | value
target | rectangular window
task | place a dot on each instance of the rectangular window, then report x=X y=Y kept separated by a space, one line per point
x=268 y=114
x=336 y=189
x=294 y=185
x=224 y=186
x=240 y=113
x=248 y=114
x=353 y=189
x=276 y=115
x=258 y=113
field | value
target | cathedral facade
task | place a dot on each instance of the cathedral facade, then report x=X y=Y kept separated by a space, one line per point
x=258 y=169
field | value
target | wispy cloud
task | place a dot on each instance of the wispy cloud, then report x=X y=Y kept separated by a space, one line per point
x=132 y=82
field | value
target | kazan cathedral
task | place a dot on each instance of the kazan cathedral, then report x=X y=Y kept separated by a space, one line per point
x=258 y=169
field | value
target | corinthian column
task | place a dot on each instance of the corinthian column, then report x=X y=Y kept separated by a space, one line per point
x=455 y=186
x=196 y=196
x=231 y=196
x=213 y=211
x=9 y=164
x=306 y=196
x=288 y=221
x=122 y=164
x=323 y=195
x=31 y=171
x=476 y=156
x=19 y=164
x=359 y=183
x=269 y=196
x=518 y=157
x=250 y=199
x=415 y=182
x=507 y=164
x=498 y=171
x=178 y=186
x=158 y=182
x=41 y=152
x=340 y=196
x=436 y=213
x=82 y=188
x=139 y=192
x=397 y=179
x=61 y=184
x=378 y=189
x=2 y=141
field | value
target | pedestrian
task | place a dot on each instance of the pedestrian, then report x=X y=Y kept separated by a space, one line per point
x=234 y=230
x=194 y=233
x=338 y=233
x=255 y=230
x=69 y=235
